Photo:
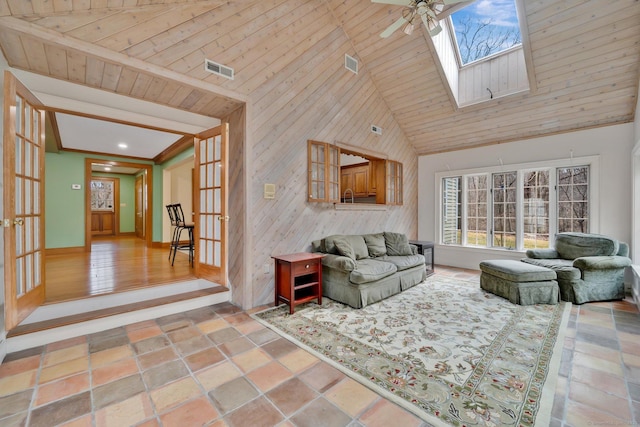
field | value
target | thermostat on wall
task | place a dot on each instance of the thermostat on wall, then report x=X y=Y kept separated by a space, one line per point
x=76 y=186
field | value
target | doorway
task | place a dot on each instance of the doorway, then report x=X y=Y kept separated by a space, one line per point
x=142 y=175
x=215 y=137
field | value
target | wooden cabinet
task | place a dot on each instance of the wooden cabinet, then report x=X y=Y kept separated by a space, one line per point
x=374 y=180
x=361 y=181
x=102 y=223
x=298 y=279
x=357 y=179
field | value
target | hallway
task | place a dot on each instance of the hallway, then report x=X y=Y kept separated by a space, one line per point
x=115 y=264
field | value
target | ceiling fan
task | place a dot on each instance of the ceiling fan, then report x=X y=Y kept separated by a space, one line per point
x=429 y=11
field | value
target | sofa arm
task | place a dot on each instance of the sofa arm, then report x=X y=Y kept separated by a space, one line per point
x=414 y=249
x=601 y=262
x=339 y=262
x=542 y=253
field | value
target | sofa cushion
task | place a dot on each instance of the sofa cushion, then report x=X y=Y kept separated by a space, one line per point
x=397 y=244
x=515 y=271
x=358 y=246
x=317 y=246
x=576 y=245
x=344 y=248
x=375 y=244
x=404 y=262
x=370 y=270
x=563 y=267
x=339 y=262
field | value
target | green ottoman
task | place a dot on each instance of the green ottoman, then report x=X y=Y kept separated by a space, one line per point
x=519 y=282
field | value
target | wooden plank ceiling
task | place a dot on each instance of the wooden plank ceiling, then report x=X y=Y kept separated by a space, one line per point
x=586 y=58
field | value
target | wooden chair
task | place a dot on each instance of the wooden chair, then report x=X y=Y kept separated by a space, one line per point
x=176 y=215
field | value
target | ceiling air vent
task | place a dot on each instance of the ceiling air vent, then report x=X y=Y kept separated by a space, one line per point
x=219 y=69
x=351 y=63
x=376 y=129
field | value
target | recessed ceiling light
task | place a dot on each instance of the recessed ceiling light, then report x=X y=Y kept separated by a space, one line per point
x=122 y=145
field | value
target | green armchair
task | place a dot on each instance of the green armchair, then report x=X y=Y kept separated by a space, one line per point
x=589 y=267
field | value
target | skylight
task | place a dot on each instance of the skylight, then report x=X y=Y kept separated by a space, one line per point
x=484 y=28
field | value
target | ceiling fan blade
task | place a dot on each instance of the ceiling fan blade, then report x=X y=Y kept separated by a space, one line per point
x=396 y=2
x=447 y=2
x=392 y=28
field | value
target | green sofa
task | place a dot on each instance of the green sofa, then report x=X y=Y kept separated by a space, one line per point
x=589 y=267
x=359 y=270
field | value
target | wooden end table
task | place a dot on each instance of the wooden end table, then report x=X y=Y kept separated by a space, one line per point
x=427 y=249
x=298 y=278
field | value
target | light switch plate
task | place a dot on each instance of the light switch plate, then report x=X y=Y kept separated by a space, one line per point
x=269 y=191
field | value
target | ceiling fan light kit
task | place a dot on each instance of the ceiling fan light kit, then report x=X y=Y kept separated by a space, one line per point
x=429 y=11
x=408 y=29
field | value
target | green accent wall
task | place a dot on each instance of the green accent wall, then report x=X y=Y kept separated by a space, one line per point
x=158 y=204
x=64 y=207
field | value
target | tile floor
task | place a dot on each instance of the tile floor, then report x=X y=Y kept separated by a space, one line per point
x=217 y=366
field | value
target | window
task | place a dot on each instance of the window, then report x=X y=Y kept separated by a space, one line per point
x=477 y=210
x=102 y=194
x=451 y=211
x=519 y=208
x=376 y=180
x=536 y=209
x=504 y=209
x=394 y=183
x=324 y=172
x=482 y=31
x=573 y=199
x=481 y=51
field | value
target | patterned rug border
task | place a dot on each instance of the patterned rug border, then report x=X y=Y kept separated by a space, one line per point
x=543 y=415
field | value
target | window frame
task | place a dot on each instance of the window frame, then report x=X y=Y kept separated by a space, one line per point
x=326 y=197
x=393 y=182
x=552 y=165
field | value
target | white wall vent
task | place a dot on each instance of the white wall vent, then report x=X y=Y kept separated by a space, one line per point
x=351 y=63
x=219 y=69
x=376 y=129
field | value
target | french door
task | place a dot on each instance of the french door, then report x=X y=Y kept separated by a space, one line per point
x=211 y=204
x=23 y=143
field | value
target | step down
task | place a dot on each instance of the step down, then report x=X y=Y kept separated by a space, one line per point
x=42 y=328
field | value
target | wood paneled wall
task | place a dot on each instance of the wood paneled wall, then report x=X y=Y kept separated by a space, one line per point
x=290 y=86
x=237 y=209
x=315 y=97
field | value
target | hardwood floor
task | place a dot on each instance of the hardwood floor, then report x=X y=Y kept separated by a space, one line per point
x=115 y=264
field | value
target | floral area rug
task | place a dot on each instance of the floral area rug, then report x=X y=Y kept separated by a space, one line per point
x=445 y=350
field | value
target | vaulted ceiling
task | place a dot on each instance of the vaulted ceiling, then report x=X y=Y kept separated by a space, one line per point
x=585 y=57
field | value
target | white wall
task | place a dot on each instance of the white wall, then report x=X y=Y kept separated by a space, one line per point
x=635 y=162
x=612 y=144
x=182 y=188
